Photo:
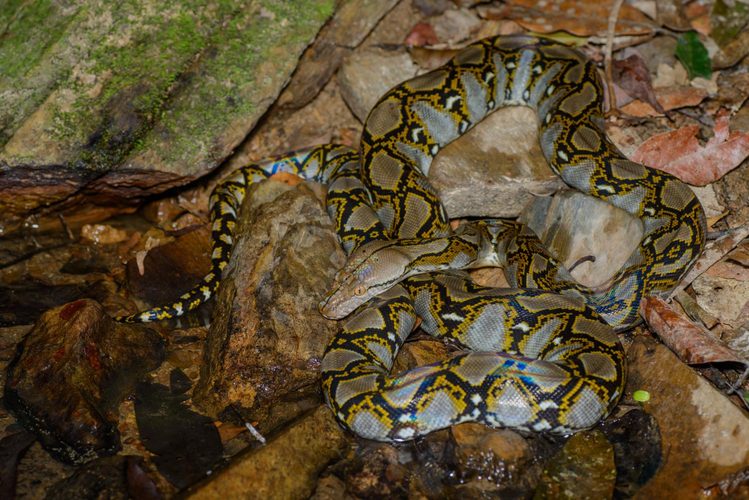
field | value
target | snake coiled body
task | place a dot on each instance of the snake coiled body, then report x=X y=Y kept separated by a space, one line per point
x=544 y=356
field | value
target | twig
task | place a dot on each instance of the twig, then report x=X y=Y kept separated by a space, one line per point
x=36 y=251
x=65 y=226
x=610 y=33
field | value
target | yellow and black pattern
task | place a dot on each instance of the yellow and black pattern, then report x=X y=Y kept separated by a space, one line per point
x=322 y=164
x=545 y=356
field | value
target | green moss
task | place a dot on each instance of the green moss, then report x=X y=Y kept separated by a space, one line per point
x=182 y=66
x=34 y=27
x=28 y=31
x=248 y=39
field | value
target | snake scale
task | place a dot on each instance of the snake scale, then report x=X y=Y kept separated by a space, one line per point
x=543 y=356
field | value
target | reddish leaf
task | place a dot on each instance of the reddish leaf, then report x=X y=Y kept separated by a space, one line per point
x=420 y=35
x=692 y=343
x=669 y=97
x=680 y=154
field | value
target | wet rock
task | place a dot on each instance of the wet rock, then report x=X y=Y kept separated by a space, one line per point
x=118 y=477
x=103 y=234
x=71 y=371
x=22 y=303
x=432 y=471
x=638 y=451
x=286 y=467
x=12 y=448
x=329 y=488
x=368 y=74
x=493 y=462
x=573 y=225
x=184 y=444
x=107 y=103
x=495 y=169
x=705 y=436
x=584 y=469
x=172 y=269
x=265 y=345
x=380 y=474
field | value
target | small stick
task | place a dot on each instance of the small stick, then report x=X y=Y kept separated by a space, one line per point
x=610 y=33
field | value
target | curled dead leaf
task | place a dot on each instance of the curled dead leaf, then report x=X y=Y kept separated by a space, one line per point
x=691 y=342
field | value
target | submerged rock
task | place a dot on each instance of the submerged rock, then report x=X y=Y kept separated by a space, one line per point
x=71 y=371
x=286 y=467
x=492 y=461
x=108 y=478
x=584 y=469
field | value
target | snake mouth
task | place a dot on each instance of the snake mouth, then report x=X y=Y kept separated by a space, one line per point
x=329 y=311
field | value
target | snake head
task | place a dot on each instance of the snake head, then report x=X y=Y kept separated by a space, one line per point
x=371 y=270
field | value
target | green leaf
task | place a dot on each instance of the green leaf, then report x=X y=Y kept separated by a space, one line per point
x=694 y=55
x=641 y=396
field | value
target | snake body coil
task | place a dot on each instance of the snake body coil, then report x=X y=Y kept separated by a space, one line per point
x=544 y=356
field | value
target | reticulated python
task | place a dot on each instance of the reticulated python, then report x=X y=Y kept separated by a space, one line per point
x=543 y=356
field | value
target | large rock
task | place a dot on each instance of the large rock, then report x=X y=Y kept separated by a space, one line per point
x=111 y=101
x=573 y=225
x=263 y=352
x=705 y=436
x=368 y=74
x=71 y=371
x=495 y=169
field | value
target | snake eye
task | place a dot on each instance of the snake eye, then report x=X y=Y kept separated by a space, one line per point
x=359 y=290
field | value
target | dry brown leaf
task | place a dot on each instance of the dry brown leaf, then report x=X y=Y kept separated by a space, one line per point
x=699 y=17
x=227 y=430
x=582 y=17
x=692 y=343
x=671 y=14
x=734 y=266
x=669 y=97
x=632 y=75
x=712 y=254
x=287 y=178
x=680 y=154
